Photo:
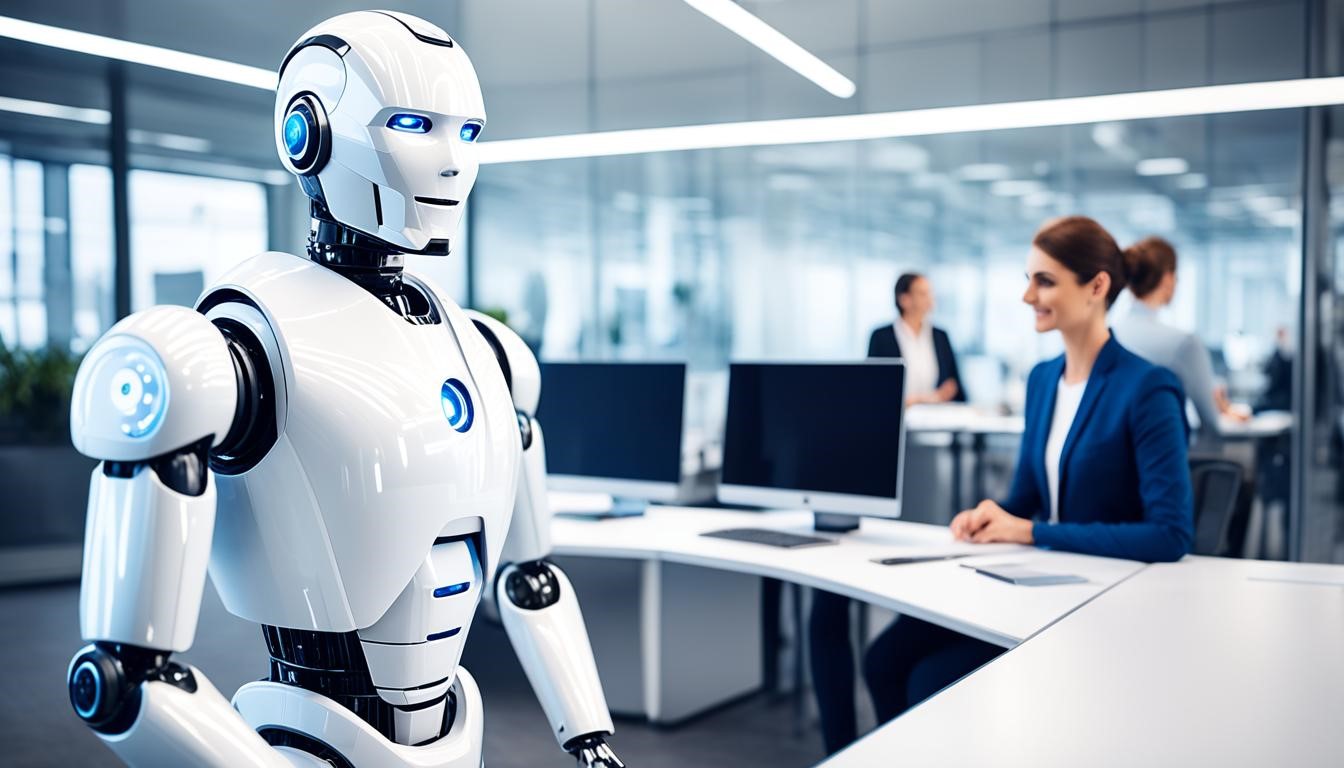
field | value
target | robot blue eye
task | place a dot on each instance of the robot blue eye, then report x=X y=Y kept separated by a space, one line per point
x=296 y=134
x=410 y=123
x=470 y=131
x=456 y=405
x=138 y=391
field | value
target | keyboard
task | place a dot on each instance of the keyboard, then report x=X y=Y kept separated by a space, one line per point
x=768 y=537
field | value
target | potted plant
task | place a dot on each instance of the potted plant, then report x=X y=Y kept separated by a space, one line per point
x=43 y=480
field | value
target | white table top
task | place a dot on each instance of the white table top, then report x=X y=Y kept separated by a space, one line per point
x=958 y=417
x=1266 y=424
x=940 y=592
x=1202 y=662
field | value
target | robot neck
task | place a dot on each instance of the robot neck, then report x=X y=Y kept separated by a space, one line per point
x=366 y=261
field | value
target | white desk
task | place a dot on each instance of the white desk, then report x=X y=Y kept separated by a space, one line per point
x=1260 y=426
x=1203 y=662
x=675 y=616
x=940 y=592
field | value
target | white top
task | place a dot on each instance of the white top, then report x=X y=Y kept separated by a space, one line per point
x=1166 y=669
x=921 y=363
x=1067 y=399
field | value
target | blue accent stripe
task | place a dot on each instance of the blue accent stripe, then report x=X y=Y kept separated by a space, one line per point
x=443 y=634
x=452 y=589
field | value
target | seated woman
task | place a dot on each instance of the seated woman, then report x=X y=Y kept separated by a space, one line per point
x=1102 y=468
x=1150 y=266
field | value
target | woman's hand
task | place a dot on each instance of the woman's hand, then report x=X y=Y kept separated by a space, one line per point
x=989 y=522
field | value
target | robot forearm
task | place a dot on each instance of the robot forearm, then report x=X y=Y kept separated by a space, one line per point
x=541 y=615
x=152 y=712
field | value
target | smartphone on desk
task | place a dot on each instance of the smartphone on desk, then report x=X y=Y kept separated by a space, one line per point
x=1014 y=573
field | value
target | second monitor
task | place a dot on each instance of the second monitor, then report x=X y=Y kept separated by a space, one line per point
x=613 y=428
x=822 y=436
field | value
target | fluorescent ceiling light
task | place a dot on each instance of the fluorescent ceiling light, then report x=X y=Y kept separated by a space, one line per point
x=1162 y=166
x=58 y=111
x=1143 y=105
x=137 y=53
x=792 y=55
x=984 y=172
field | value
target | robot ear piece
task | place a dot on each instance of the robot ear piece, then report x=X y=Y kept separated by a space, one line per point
x=305 y=135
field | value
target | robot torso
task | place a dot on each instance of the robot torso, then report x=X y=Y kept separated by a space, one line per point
x=391 y=433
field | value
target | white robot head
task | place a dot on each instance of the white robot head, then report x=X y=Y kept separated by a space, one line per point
x=377 y=113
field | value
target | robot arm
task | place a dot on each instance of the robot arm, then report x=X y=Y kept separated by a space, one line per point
x=150 y=400
x=536 y=603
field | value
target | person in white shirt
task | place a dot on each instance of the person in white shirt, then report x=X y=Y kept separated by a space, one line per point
x=931 y=368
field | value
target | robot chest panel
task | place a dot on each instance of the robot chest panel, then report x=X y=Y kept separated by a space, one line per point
x=390 y=419
x=391 y=434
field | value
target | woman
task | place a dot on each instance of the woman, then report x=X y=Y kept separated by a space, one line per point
x=1102 y=468
x=930 y=367
x=1150 y=265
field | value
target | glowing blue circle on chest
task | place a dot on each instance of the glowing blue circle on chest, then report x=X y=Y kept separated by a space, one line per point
x=457 y=407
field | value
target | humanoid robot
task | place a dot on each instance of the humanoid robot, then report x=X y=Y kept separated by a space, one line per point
x=352 y=454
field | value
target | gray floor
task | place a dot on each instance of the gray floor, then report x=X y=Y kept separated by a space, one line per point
x=39 y=630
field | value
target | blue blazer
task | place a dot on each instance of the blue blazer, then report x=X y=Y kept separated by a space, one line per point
x=1124 y=484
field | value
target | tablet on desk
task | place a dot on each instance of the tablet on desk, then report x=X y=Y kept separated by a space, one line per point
x=1014 y=573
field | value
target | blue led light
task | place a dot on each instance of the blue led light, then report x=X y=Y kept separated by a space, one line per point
x=409 y=123
x=296 y=134
x=470 y=131
x=137 y=386
x=456 y=405
x=452 y=589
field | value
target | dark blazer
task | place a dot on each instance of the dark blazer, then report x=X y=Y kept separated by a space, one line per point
x=1124 y=486
x=883 y=344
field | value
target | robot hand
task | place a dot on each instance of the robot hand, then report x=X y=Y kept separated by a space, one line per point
x=594 y=751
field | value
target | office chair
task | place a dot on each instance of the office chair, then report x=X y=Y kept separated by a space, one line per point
x=1217 y=486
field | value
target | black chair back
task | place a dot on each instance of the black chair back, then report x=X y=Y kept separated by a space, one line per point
x=1216 y=484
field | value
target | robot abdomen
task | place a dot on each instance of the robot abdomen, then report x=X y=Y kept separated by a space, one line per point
x=375 y=457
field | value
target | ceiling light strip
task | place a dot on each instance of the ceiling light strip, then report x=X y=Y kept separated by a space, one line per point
x=751 y=28
x=1178 y=102
x=137 y=53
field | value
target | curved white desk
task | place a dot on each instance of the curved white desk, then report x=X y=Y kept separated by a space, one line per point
x=675 y=616
x=943 y=592
x=1203 y=662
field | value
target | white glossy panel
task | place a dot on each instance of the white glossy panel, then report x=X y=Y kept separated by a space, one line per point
x=411 y=666
x=267 y=703
x=412 y=696
x=552 y=645
x=145 y=553
x=530 y=533
x=165 y=360
x=417 y=613
x=373 y=472
x=416 y=725
x=176 y=728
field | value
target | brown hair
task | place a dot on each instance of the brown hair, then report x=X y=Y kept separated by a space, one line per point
x=1085 y=248
x=1147 y=262
x=903 y=285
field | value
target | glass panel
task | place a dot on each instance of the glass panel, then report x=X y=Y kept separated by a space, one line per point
x=91 y=252
x=186 y=231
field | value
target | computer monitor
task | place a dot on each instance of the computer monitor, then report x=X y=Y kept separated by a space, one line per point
x=613 y=428
x=822 y=436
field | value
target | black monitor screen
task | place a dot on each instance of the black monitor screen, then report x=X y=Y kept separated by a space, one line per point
x=613 y=420
x=833 y=428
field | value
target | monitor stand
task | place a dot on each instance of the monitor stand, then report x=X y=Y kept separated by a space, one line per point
x=833 y=522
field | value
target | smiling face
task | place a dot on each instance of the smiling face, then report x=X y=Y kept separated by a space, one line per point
x=1060 y=301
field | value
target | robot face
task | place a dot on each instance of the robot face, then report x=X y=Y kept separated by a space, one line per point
x=378 y=113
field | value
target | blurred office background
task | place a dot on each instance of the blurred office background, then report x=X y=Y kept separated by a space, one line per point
x=123 y=186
